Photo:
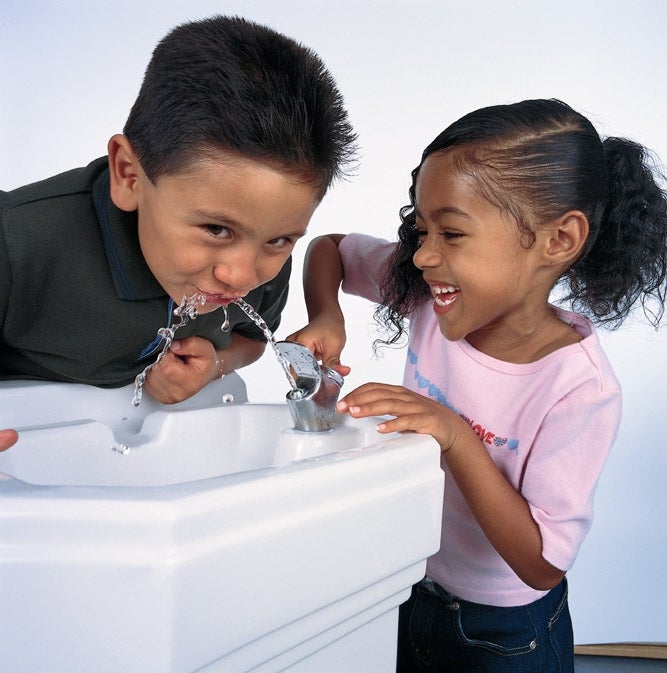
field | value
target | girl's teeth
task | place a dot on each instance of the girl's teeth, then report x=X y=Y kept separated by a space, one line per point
x=444 y=302
x=440 y=290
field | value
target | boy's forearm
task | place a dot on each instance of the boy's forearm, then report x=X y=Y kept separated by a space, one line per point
x=241 y=352
x=322 y=275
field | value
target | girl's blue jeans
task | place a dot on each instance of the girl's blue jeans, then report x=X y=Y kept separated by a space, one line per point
x=439 y=633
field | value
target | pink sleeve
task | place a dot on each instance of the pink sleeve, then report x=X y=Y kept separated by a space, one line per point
x=365 y=260
x=560 y=478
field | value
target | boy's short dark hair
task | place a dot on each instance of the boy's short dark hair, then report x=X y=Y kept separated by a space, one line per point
x=230 y=84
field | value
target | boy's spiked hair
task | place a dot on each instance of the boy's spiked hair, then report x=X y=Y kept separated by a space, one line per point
x=229 y=84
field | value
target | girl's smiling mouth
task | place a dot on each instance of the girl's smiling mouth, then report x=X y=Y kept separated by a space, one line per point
x=444 y=296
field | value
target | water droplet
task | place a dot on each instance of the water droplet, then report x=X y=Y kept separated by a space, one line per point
x=228 y=398
x=226 y=325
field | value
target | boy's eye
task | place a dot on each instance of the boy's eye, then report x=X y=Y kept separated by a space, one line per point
x=280 y=243
x=218 y=230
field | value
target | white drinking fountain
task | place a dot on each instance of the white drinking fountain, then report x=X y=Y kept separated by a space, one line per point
x=209 y=536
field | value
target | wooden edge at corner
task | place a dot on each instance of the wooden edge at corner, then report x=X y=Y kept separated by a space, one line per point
x=637 y=650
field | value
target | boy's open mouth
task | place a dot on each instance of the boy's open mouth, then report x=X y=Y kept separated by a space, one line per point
x=220 y=299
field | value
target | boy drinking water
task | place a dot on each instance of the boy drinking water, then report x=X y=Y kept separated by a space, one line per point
x=236 y=135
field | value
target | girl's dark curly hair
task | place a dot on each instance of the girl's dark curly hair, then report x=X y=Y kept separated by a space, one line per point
x=536 y=160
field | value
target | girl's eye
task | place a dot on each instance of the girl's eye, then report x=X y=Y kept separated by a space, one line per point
x=450 y=235
x=421 y=235
x=218 y=231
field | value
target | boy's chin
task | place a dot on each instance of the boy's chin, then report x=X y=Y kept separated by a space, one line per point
x=208 y=307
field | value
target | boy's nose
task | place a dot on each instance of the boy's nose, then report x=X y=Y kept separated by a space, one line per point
x=239 y=274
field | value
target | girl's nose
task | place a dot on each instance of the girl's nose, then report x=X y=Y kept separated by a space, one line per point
x=426 y=255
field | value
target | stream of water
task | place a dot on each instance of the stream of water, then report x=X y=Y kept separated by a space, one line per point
x=186 y=311
x=259 y=321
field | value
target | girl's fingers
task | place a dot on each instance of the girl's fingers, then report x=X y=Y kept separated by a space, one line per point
x=418 y=422
x=380 y=405
x=412 y=412
x=373 y=391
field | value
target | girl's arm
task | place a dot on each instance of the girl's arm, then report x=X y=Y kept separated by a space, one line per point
x=501 y=512
x=322 y=277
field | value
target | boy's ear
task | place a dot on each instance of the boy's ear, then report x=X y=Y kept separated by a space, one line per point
x=123 y=173
x=567 y=238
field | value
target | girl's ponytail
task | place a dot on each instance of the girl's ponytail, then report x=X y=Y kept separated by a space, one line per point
x=627 y=258
x=536 y=160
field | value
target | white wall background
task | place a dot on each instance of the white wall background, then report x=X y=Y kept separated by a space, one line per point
x=70 y=70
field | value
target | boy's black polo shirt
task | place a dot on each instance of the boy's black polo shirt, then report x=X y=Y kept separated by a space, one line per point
x=77 y=300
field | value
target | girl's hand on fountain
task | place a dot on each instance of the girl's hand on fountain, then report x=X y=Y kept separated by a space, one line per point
x=325 y=337
x=185 y=369
x=7 y=438
x=411 y=411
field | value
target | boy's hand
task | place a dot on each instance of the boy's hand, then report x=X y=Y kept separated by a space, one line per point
x=185 y=369
x=7 y=438
x=325 y=337
x=411 y=410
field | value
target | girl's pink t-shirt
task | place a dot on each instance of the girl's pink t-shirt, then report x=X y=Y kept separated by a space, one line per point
x=548 y=425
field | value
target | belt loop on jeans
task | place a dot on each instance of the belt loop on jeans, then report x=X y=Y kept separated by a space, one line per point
x=428 y=585
x=433 y=588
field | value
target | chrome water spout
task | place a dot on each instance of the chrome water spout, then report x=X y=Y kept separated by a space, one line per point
x=313 y=402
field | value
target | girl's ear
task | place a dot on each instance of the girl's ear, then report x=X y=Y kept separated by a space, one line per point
x=567 y=238
x=123 y=173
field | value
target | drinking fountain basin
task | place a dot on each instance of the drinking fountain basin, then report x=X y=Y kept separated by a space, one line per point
x=205 y=537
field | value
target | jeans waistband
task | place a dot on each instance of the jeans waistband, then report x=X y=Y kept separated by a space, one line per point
x=430 y=586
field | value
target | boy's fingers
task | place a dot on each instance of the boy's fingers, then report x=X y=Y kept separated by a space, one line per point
x=196 y=347
x=187 y=346
x=7 y=438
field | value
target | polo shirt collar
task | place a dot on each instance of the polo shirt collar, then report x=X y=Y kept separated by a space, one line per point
x=131 y=276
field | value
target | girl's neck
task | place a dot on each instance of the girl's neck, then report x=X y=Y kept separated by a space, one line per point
x=527 y=342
